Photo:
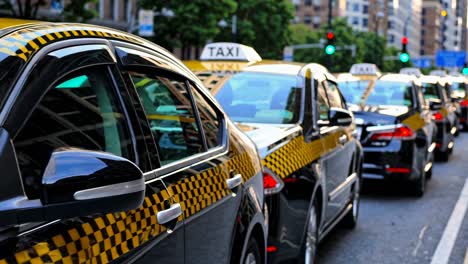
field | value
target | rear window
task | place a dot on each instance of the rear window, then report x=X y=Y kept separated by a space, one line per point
x=353 y=91
x=390 y=93
x=430 y=91
x=261 y=98
x=459 y=89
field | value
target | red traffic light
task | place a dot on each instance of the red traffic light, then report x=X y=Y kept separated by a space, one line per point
x=330 y=35
x=404 y=40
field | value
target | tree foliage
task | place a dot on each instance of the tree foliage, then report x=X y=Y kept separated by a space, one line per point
x=23 y=9
x=369 y=46
x=75 y=11
x=193 y=22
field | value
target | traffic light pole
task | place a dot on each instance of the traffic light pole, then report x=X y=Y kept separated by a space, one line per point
x=330 y=6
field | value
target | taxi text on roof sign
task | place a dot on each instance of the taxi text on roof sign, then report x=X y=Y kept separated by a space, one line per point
x=365 y=69
x=229 y=52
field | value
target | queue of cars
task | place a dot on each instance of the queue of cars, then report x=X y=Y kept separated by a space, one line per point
x=115 y=151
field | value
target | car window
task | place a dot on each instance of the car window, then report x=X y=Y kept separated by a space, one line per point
x=393 y=93
x=430 y=91
x=209 y=119
x=81 y=111
x=170 y=115
x=261 y=98
x=334 y=96
x=322 y=103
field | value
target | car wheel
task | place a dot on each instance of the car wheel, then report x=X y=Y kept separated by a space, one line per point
x=444 y=156
x=252 y=255
x=311 y=241
x=350 y=219
x=420 y=185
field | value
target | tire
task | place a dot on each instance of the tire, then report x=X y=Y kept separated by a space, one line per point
x=444 y=156
x=310 y=244
x=252 y=254
x=419 y=186
x=351 y=218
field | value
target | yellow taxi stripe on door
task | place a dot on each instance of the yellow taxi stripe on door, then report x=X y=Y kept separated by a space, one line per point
x=298 y=153
x=415 y=122
x=106 y=238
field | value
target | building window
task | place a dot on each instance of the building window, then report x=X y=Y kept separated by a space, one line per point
x=423 y=32
x=421 y=52
x=316 y=20
x=423 y=21
x=422 y=42
x=391 y=38
x=355 y=21
x=423 y=11
x=390 y=25
x=356 y=7
x=365 y=9
x=307 y=2
x=365 y=22
x=307 y=19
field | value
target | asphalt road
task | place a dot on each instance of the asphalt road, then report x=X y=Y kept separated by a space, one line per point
x=395 y=227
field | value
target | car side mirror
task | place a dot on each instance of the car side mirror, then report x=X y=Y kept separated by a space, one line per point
x=340 y=117
x=75 y=183
x=435 y=104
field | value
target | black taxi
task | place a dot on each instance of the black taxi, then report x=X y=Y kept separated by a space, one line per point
x=443 y=113
x=113 y=151
x=393 y=125
x=302 y=128
x=458 y=95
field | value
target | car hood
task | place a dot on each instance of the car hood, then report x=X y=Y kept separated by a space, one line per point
x=269 y=137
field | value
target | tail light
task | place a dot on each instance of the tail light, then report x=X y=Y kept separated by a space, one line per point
x=464 y=103
x=399 y=132
x=437 y=116
x=398 y=170
x=271 y=183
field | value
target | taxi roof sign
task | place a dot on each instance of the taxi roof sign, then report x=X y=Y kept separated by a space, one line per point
x=365 y=69
x=227 y=51
x=411 y=71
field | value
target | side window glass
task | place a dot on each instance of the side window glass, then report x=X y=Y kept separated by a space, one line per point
x=322 y=103
x=209 y=119
x=334 y=96
x=171 y=117
x=81 y=111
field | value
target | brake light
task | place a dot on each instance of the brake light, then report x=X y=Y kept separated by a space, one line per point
x=271 y=249
x=398 y=170
x=402 y=133
x=464 y=103
x=437 y=116
x=271 y=183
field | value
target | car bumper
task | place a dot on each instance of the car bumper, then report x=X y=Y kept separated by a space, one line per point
x=394 y=161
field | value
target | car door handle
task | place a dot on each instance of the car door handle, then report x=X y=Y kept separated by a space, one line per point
x=343 y=139
x=170 y=214
x=234 y=181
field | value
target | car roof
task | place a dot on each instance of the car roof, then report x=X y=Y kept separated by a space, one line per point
x=430 y=79
x=398 y=77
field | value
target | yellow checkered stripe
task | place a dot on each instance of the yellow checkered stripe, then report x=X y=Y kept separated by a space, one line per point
x=25 y=42
x=106 y=238
x=415 y=122
x=297 y=153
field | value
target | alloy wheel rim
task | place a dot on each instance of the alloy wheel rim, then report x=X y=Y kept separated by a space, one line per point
x=311 y=239
x=250 y=259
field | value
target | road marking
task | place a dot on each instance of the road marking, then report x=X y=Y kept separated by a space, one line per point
x=420 y=238
x=446 y=243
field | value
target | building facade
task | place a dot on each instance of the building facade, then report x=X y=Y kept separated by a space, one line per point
x=431 y=39
x=314 y=13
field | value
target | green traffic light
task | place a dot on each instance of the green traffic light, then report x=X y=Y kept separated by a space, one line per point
x=330 y=49
x=465 y=71
x=404 y=57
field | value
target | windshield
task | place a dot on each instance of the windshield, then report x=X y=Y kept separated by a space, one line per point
x=353 y=90
x=390 y=93
x=430 y=91
x=261 y=98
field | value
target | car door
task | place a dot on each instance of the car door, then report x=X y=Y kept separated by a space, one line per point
x=345 y=150
x=329 y=157
x=204 y=177
x=72 y=98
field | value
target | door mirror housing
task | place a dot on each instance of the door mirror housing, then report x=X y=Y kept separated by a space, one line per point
x=340 y=117
x=75 y=183
x=435 y=104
